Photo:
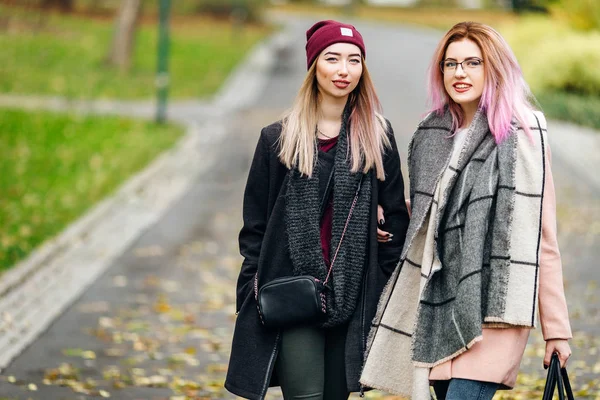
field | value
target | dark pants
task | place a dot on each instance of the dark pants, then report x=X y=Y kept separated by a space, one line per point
x=464 y=389
x=311 y=363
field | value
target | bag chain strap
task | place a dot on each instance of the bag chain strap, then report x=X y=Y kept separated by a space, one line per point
x=344 y=231
x=336 y=250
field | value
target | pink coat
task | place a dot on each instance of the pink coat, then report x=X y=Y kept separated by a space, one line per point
x=498 y=356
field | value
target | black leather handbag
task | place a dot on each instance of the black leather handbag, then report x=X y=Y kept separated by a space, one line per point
x=557 y=376
x=292 y=300
x=296 y=300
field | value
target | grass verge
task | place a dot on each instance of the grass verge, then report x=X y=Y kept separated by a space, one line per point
x=55 y=167
x=577 y=108
x=437 y=18
x=64 y=55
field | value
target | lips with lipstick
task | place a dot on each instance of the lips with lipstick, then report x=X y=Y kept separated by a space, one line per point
x=461 y=87
x=341 y=84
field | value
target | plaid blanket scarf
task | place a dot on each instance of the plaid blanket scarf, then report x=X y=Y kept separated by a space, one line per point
x=487 y=239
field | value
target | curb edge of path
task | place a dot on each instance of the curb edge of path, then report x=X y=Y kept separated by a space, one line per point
x=38 y=289
x=578 y=147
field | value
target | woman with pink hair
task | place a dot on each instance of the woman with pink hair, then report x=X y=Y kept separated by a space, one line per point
x=481 y=254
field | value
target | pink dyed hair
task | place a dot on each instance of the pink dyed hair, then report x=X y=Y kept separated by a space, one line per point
x=505 y=96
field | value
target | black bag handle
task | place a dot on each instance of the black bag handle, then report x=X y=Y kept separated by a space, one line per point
x=565 y=378
x=557 y=376
x=550 y=382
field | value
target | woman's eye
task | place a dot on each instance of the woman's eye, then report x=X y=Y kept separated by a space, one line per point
x=355 y=61
x=450 y=64
x=331 y=59
x=473 y=63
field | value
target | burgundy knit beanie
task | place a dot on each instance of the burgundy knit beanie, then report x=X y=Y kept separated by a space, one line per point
x=325 y=33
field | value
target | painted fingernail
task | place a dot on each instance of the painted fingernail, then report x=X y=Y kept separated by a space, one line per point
x=389 y=240
x=545 y=366
x=381 y=221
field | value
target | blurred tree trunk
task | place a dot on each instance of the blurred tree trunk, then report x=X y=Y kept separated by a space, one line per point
x=62 y=5
x=123 y=39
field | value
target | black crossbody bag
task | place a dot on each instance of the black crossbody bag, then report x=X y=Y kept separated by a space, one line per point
x=296 y=300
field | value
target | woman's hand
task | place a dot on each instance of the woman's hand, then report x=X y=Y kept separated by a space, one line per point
x=382 y=236
x=560 y=346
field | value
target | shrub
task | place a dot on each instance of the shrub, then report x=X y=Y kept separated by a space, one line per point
x=582 y=110
x=567 y=64
x=520 y=6
x=241 y=10
x=437 y=3
x=580 y=14
x=556 y=58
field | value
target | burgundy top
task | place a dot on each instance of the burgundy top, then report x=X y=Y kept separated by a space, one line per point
x=326 y=145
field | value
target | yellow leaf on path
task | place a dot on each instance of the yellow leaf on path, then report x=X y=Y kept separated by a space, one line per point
x=162 y=307
x=113 y=352
x=158 y=380
x=120 y=281
x=150 y=251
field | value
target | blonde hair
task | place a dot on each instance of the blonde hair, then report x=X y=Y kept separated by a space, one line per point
x=368 y=129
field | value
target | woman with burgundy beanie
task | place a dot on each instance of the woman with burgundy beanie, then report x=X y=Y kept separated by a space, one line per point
x=304 y=179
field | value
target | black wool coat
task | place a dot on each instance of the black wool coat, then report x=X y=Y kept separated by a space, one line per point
x=263 y=244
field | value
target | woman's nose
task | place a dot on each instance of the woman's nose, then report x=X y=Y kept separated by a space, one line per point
x=459 y=71
x=343 y=69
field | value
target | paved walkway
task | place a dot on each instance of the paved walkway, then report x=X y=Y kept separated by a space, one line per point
x=155 y=315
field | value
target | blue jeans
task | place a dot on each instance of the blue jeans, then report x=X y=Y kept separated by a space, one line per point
x=464 y=389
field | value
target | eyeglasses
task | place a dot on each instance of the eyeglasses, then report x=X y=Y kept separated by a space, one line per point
x=470 y=64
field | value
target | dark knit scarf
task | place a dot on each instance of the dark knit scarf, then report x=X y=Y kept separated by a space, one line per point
x=302 y=219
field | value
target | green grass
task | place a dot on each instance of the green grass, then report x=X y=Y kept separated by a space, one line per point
x=64 y=55
x=55 y=167
x=577 y=108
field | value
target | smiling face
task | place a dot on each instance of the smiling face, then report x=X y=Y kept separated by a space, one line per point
x=464 y=82
x=339 y=68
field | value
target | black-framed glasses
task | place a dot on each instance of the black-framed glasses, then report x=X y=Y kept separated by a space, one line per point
x=450 y=65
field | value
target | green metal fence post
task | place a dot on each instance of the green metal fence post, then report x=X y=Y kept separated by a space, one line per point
x=162 y=73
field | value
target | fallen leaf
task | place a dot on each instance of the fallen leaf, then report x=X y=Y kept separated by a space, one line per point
x=149 y=251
